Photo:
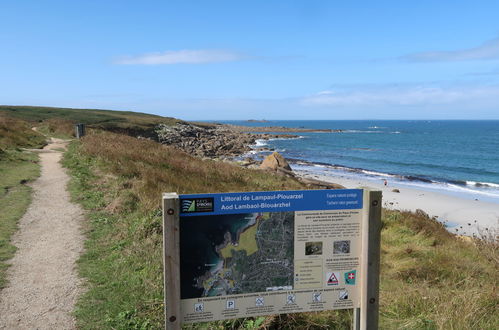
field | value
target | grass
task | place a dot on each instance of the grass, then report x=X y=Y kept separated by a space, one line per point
x=15 y=133
x=126 y=122
x=429 y=279
x=58 y=128
x=17 y=169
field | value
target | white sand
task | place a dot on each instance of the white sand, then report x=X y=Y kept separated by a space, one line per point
x=456 y=212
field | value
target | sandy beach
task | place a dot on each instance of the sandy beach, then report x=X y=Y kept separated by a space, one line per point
x=461 y=215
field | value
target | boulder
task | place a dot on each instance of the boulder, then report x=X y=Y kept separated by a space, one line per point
x=275 y=162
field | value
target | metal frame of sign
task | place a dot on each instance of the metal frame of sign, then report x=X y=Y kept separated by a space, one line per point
x=365 y=317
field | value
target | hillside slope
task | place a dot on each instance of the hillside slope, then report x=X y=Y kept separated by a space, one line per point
x=128 y=122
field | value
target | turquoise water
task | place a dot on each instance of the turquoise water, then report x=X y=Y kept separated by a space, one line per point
x=459 y=157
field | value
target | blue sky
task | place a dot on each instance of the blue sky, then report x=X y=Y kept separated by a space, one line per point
x=255 y=59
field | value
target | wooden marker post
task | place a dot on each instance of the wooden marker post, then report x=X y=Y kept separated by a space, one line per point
x=171 y=257
x=366 y=317
x=79 y=130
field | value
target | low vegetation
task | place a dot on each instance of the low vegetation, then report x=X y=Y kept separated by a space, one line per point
x=429 y=280
x=16 y=133
x=433 y=280
x=56 y=127
x=127 y=122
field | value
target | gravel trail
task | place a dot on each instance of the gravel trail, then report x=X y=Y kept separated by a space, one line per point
x=43 y=284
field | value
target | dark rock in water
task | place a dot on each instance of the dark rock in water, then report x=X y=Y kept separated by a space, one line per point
x=257 y=121
x=396 y=191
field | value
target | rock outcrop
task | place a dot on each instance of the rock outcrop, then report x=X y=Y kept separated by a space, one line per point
x=220 y=141
x=208 y=140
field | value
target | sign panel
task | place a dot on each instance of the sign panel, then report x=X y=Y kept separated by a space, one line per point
x=260 y=253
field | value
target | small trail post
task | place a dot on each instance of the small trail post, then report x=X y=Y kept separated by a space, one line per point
x=79 y=130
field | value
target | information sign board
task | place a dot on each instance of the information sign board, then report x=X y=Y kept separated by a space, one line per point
x=260 y=253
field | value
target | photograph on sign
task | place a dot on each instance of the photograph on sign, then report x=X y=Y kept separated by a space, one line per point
x=260 y=253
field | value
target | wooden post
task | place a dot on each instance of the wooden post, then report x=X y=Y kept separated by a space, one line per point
x=369 y=310
x=356 y=319
x=366 y=317
x=79 y=130
x=171 y=258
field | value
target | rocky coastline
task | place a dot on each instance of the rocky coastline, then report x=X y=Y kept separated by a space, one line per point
x=212 y=140
x=226 y=142
x=223 y=142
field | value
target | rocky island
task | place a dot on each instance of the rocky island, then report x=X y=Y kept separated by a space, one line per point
x=281 y=129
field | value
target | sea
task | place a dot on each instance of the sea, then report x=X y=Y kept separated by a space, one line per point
x=199 y=238
x=456 y=157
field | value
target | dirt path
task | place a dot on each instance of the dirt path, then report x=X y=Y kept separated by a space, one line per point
x=43 y=284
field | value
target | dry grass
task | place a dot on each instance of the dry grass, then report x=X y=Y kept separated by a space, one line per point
x=431 y=280
x=151 y=169
x=16 y=133
x=57 y=127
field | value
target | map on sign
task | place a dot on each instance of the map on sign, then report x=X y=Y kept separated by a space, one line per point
x=256 y=256
x=261 y=253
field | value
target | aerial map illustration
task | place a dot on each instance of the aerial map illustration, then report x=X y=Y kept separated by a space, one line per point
x=236 y=253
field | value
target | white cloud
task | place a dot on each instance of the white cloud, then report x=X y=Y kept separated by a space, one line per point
x=404 y=96
x=182 y=57
x=325 y=93
x=487 y=51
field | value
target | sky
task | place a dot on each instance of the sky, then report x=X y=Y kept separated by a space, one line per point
x=214 y=60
